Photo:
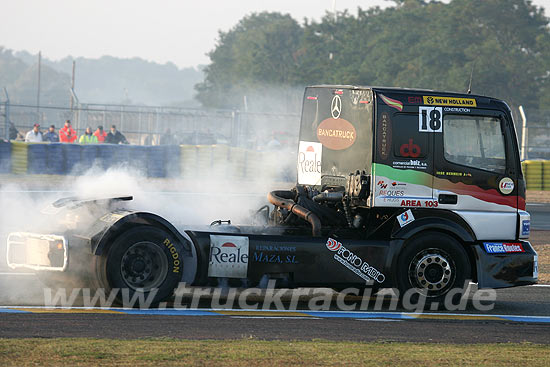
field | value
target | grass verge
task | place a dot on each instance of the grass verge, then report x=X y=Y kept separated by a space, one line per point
x=253 y=352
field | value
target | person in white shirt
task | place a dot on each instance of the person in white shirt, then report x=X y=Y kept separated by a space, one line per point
x=35 y=135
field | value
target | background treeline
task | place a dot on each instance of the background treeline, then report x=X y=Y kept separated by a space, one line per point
x=415 y=43
x=104 y=80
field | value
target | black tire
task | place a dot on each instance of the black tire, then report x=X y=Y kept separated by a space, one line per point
x=433 y=263
x=142 y=259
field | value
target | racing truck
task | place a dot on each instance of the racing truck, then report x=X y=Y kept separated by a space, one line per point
x=396 y=188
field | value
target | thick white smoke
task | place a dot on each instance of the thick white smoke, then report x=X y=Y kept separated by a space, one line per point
x=184 y=201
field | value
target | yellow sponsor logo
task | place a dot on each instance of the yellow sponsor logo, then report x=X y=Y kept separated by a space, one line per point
x=174 y=254
x=449 y=101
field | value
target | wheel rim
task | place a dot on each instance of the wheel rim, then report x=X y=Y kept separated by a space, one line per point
x=144 y=266
x=432 y=272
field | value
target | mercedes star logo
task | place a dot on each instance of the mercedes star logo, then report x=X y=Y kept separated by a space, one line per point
x=336 y=107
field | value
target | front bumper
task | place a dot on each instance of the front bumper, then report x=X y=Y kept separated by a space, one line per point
x=37 y=251
x=501 y=266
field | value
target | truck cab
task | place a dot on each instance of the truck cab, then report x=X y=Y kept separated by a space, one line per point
x=444 y=166
x=421 y=149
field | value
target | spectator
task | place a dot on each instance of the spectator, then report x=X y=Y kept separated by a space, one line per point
x=148 y=140
x=100 y=134
x=35 y=135
x=67 y=133
x=14 y=133
x=51 y=135
x=167 y=138
x=88 y=137
x=274 y=143
x=115 y=137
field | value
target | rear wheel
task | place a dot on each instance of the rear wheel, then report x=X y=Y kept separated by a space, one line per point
x=432 y=264
x=145 y=263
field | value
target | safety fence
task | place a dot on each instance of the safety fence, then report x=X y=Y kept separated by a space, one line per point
x=150 y=125
x=152 y=161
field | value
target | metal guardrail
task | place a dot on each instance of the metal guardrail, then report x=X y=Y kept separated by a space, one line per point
x=145 y=125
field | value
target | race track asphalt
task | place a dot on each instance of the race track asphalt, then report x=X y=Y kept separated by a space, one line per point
x=520 y=314
x=221 y=327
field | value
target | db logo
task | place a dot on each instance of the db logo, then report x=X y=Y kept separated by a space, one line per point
x=333 y=245
x=410 y=150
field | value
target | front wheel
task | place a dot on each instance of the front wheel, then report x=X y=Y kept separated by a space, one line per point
x=432 y=264
x=145 y=263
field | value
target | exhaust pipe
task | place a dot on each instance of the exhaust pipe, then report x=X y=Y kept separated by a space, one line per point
x=285 y=199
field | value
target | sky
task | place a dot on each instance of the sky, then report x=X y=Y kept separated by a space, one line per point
x=177 y=31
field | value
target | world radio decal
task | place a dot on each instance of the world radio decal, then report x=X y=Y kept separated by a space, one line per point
x=354 y=263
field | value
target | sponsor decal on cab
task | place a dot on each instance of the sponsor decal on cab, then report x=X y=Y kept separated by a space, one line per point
x=398 y=105
x=392 y=192
x=506 y=185
x=502 y=247
x=410 y=150
x=458 y=110
x=384 y=135
x=354 y=262
x=405 y=218
x=309 y=163
x=275 y=254
x=410 y=164
x=526 y=227
x=336 y=134
x=449 y=101
x=228 y=256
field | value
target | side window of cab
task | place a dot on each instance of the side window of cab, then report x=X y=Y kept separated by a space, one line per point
x=475 y=141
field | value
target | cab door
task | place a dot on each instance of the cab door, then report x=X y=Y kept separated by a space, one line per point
x=475 y=171
x=403 y=172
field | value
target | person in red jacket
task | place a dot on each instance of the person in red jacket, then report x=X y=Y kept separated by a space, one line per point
x=101 y=134
x=67 y=133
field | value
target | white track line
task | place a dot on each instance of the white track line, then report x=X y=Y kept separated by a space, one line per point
x=277 y=317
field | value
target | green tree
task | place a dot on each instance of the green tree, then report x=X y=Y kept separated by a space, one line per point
x=260 y=49
x=416 y=43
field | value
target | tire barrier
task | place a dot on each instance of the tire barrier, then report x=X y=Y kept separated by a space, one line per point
x=546 y=175
x=72 y=158
x=88 y=156
x=172 y=165
x=156 y=161
x=152 y=161
x=55 y=161
x=177 y=161
x=19 y=155
x=532 y=171
x=36 y=158
x=188 y=160
x=5 y=157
